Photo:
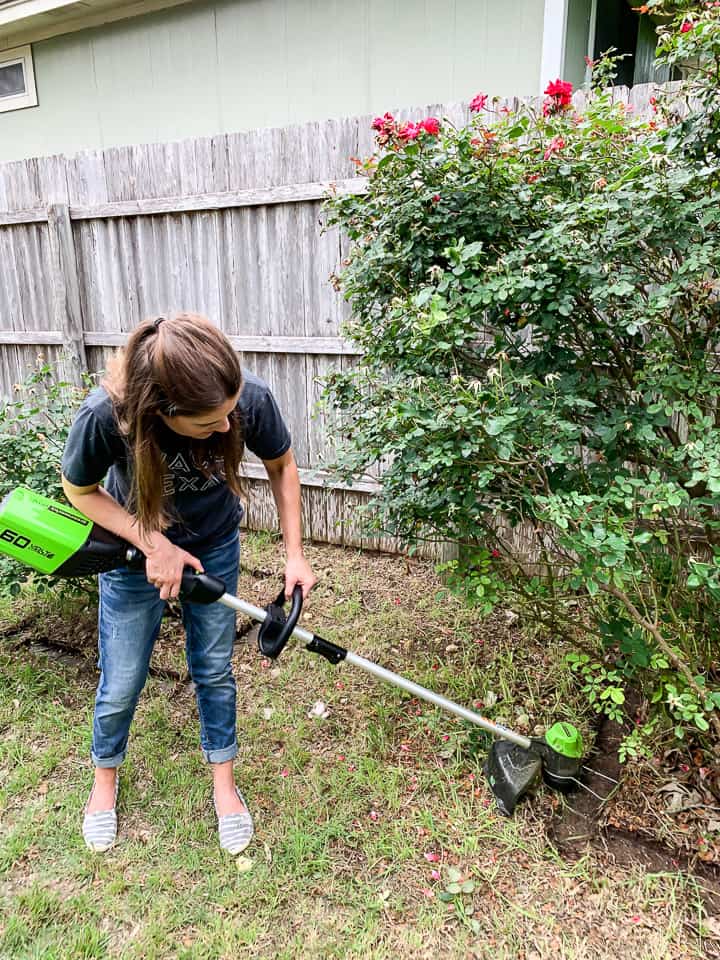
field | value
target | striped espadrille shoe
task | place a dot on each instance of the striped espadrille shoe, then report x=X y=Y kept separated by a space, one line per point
x=235 y=829
x=100 y=828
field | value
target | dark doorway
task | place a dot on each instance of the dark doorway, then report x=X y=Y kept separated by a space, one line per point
x=617 y=25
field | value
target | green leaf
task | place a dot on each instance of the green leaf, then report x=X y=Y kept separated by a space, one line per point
x=495 y=425
x=420 y=299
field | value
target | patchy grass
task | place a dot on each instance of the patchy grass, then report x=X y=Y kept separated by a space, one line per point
x=364 y=819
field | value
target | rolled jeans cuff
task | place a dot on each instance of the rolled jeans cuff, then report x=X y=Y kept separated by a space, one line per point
x=221 y=756
x=107 y=762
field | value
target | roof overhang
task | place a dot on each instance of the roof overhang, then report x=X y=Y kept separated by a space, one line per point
x=26 y=21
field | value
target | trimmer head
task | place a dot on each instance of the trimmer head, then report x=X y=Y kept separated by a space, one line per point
x=513 y=771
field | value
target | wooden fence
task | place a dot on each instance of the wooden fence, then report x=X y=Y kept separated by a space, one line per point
x=228 y=226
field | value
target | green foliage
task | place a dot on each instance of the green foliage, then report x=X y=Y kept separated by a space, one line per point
x=602 y=687
x=537 y=299
x=33 y=428
x=636 y=743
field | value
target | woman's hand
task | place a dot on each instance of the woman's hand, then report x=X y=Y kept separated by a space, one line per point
x=165 y=564
x=298 y=571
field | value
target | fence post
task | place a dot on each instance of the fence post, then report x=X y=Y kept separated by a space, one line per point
x=66 y=289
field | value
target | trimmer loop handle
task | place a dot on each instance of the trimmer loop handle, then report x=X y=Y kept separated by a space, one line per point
x=276 y=629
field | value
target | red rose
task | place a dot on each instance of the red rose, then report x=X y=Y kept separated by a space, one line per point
x=478 y=102
x=431 y=125
x=686 y=27
x=560 y=97
x=560 y=90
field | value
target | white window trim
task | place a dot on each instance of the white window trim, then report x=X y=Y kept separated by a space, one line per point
x=591 y=39
x=552 y=61
x=29 y=98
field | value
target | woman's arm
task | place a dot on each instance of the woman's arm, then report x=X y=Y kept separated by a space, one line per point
x=285 y=485
x=165 y=561
x=98 y=506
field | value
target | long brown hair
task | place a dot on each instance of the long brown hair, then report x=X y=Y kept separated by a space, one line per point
x=179 y=365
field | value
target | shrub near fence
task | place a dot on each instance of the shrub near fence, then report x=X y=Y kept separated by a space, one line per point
x=588 y=243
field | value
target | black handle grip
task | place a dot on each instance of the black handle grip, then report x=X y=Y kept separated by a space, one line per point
x=135 y=558
x=276 y=629
x=195 y=587
x=103 y=551
x=200 y=587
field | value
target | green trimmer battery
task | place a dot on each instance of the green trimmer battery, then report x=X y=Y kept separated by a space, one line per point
x=53 y=538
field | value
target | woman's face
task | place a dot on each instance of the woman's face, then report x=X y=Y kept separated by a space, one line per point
x=200 y=426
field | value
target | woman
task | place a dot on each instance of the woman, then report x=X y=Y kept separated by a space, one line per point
x=168 y=427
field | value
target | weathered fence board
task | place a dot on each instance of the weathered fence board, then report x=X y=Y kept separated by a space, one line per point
x=66 y=288
x=230 y=226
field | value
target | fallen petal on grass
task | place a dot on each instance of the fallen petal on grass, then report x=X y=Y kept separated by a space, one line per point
x=319 y=710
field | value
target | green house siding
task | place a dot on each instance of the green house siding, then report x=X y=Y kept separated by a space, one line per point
x=206 y=68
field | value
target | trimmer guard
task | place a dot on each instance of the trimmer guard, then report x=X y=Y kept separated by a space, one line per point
x=511 y=771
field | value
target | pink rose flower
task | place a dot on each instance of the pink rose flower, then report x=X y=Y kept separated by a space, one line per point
x=556 y=144
x=478 y=102
x=380 y=123
x=408 y=131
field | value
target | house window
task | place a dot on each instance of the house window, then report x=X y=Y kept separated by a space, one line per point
x=17 y=79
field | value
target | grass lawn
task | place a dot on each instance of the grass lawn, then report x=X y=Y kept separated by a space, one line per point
x=363 y=817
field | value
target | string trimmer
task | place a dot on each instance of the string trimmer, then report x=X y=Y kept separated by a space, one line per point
x=59 y=540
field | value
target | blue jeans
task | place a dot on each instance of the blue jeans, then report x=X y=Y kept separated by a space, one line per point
x=128 y=625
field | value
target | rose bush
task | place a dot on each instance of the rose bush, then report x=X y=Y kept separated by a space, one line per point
x=538 y=303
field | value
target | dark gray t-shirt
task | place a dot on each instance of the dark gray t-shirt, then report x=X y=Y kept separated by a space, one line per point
x=208 y=510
